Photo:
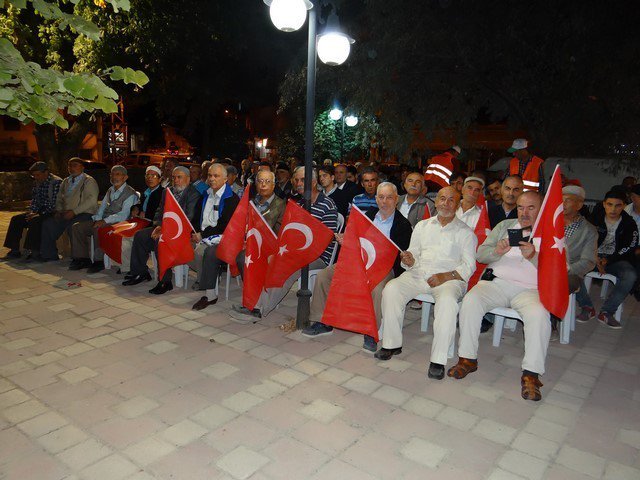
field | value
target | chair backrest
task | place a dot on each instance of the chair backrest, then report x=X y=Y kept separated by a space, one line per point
x=335 y=245
x=340 y=223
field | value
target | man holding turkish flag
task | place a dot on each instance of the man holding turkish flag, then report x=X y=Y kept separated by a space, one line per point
x=110 y=237
x=350 y=292
x=232 y=240
x=261 y=244
x=518 y=282
x=295 y=250
x=174 y=245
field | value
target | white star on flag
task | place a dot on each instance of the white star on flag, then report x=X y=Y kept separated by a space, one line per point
x=248 y=261
x=282 y=250
x=559 y=243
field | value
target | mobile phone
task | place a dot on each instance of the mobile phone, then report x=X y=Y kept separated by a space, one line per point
x=515 y=236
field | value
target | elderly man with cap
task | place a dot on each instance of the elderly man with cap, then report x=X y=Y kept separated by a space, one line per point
x=528 y=166
x=115 y=207
x=43 y=201
x=468 y=211
x=146 y=240
x=77 y=201
x=283 y=181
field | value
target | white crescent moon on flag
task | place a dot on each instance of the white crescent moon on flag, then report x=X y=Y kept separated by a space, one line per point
x=255 y=233
x=302 y=228
x=368 y=247
x=174 y=216
x=557 y=212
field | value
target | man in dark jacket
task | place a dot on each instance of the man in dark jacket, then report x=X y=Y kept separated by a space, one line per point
x=351 y=189
x=390 y=222
x=617 y=241
x=326 y=179
x=146 y=240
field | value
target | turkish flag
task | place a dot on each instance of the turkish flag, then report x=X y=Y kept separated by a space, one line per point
x=261 y=244
x=174 y=246
x=366 y=258
x=483 y=228
x=232 y=240
x=427 y=213
x=301 y=240
x=110 y=237
x=553 y=278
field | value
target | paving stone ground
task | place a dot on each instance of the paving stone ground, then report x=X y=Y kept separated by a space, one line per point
x=107 y=382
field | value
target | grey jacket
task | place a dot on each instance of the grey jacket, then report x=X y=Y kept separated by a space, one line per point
x=581 y=249
x=485 y=253
x=187 y=201
x=416 y=210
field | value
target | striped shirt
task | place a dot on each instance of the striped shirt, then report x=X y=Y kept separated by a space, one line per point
x=324 y=209
x=364 y=202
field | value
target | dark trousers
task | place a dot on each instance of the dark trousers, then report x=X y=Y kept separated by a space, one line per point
x=141 y=248
x=34 y=232
x=52 y=228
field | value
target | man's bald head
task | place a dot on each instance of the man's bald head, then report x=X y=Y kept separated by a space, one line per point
x=528 y=208
x=447 y=202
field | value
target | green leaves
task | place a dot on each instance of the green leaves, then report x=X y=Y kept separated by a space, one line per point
x=129 y=75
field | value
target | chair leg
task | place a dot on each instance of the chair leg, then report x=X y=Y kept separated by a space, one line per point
x=587 y=282
x=511 y=324
x=91 y=246
x=107 y=261
x=604 y=289
x=154 y=262
x=498 y=323
x=572 y=306
x=424 y=321
x=618 y=314
x=228 y=282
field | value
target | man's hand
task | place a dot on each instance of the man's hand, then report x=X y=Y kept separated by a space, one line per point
x=68 y=214
x=502 y=247
x=156 y=233
x=136 y=212
x=407 y=258
x=196 y=237
x=439 y=278
x=339 y=238
x=600 y=264
x=527 y=249
x=99 y=224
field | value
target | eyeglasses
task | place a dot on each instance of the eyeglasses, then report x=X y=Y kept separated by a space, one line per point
x=264 y=182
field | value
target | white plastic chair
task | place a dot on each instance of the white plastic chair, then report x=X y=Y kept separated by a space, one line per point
x=180 y=273
x=606 y=278
x=428 y=300
x=106 y=259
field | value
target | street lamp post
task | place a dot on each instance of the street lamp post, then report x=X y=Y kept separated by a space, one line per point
x=333 y=48
x=336 y=114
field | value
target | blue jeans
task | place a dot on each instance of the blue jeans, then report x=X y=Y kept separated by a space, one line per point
x=626 y=276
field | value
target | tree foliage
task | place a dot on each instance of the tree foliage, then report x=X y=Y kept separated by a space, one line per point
x=566 y=72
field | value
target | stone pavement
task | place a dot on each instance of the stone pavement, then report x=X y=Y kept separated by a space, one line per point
x=108 y=382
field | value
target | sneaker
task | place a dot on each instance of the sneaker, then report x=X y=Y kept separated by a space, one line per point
x=369 y=344
x=586 y=314
x=317 y=329
x=555 y=336
x=241 y=314
x=608 y=319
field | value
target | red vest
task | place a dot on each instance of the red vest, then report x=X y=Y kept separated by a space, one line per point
x=531 y=177
x=439 y=170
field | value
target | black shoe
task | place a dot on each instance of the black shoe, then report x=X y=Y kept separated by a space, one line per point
x=203 y=303
x=96 y=267
x=486 y=325
x=161 y=288
x=12 y=255
x=80 y=263
x=317 y=329
x=387 y=353
x=128 y=275
x=369 y=344
x=136 y=279
x=436 y=371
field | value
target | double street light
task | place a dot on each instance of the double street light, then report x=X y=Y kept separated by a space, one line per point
x=333 y=48
x=336 y=114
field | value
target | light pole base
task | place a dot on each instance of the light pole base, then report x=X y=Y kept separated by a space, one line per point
x=304 y=308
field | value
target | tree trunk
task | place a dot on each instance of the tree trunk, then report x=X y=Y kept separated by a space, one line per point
x=57 y=146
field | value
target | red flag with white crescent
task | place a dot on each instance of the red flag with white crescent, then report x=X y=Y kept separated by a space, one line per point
x=174 y=245
x=232 y=241
x=366 y=258
x=110 y=237
x=301 y=240
x=482 y=230
x=261 y=245
x=553 y=277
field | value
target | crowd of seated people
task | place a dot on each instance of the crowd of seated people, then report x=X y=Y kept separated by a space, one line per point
x=438 y=253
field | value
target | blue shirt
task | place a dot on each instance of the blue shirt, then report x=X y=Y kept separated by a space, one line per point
x=364 y=202
x=384 y=225
x=123 y=214
x=147 y=194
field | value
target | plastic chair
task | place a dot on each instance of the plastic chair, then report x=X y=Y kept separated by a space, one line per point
x=428 y=300
x=180 y=273
x=606 y=278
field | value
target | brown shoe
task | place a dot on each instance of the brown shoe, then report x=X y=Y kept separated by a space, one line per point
x=531 y=387
x=203 y=303
x=464 y=367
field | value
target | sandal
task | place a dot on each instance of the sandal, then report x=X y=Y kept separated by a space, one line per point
x=464 y=367
x=531 y=388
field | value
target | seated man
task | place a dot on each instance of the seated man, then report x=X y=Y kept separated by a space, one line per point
x=512 y=188
x=77 y=201
x=513 y=283
x=413 y=204
x=617 y=242
x=370 y=181
x=395 y=227
x=195 y=174
x=439 y=261
x=232 y=175
x=43 y=201
x=115 y=207
x=468 y=211
x=326 y=178
x=323 y=209
x=580 y=236
x=212 y=216
x=146 y=240
x=145 y=208
x=283 y=181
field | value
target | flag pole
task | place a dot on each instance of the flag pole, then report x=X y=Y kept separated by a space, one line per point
x=544 y=202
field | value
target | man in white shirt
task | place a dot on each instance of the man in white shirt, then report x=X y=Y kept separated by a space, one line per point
x=514 y=284
x=468 y=211
x=440 y=260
